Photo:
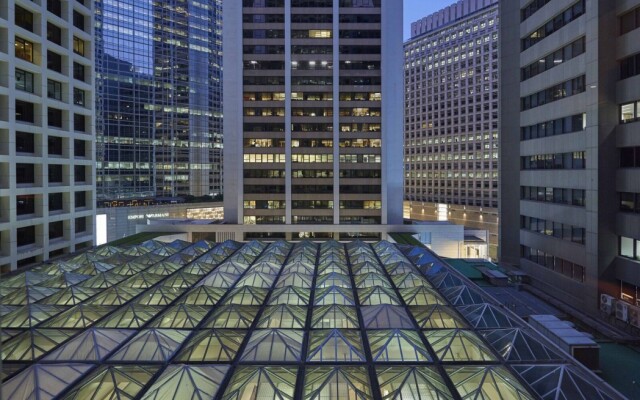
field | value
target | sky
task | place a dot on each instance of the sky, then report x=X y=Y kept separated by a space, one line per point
x=416 y=9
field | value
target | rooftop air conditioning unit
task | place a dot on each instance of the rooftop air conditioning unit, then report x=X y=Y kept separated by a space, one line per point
x=622 y=311
x=607 y=304
x=634 y=316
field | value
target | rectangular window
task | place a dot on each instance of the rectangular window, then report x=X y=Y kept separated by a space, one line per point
x=26 y=235
x=55 y=173
x=25 y=142
x=54 y=33
x=627 y=247
x=78 y=46
x=79 y=173
x=56 y=230
x=627 y=202
x=81 y=199
x=24 y=80
x=54 y=89
x=25 y=173
x=54 y=61
x=23 y=49
x=78 y=97
x=54 y=145
x=78 y=71
x=627 y=113
x=81 y=224
x=55 y=202
x=25 y=111
x=23 y=18
x=55 y=7
x=79 y=123
x=78 y=20
x=79 y=148
x=26 y=204
x=54 y=117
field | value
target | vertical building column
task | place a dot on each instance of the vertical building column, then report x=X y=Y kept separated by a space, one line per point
x=287 y=109
x=336 y=112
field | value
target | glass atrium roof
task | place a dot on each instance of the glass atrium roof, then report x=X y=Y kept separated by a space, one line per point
x=270 y=321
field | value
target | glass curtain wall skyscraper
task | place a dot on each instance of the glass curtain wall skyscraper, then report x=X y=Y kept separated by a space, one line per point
x=159 y=93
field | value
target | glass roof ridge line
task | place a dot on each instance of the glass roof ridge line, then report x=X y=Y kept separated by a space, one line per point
x=376 y=392
x=435 y=360
x=233 y=365
x=299 y=388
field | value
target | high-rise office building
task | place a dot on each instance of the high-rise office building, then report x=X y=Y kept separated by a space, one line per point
x=159 y=94
x=313 y=127
x=570 y=152
x=451 y=118
x=47 y=187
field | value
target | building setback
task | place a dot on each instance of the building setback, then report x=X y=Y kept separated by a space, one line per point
x=47 y=147
x=159 y=94
x=569 y=173
x=313 y=126
x=451 y=118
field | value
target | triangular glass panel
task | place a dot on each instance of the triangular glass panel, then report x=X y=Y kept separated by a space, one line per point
x=30 y=316
x=274 y=345
x=397 y=345
x=24 y=279
x=461 y=295
x=385 y=317
x=203 y=296
x=232 y=317
x=65 y=280
x=292 y=295
x=421 y=296
x=333 y=295
x=181 y=316
x=91 y=345
x=130 y=268
x=295 y=279
x=114 y=296
x=246 y=296
x=335 y=345
x=334 y=316
x=517 y=345
x=164 y=268
x=483 y=316
x=159 y=296
x=214 y=345
x=283 y=316
x=268 y=383
x=81 y=316
x=437 y=317
x=187 y=382
x=552 y=382
x=333 y=279
x=42 y=381
x=33 y=344
x=143 y=280
x=220 y=279
x=372 y=279
x=337 y=383
x=181 y=280
x=410 y=280
x=487 y=382
x=27 y=295
x=415 y=383
x=376 y=295
x=198 y=268
x=257 y=279
x=457 y=345
x=131 y=316
x=151 y=345
x=115 y=382
x=103 y=280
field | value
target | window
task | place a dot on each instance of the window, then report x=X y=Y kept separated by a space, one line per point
x=630 y=157
x=79 y=123
x=554 y=93
x=81 y=199
x=56 y=230
x=55 y=202
x=79 y=148
x=26 y=204
x=554 y=59
x=25 y=111
x=26 y=235
x=25 y=173
x=55 y=173
x=24 y=80
x=629 y=248
x=54 y=89
x=54 y=144
x=54 y=117
x=55 y=7
x=23 y=18
x=78 y=46
x=79 y=173
x=78 y=72
x=24 y=49
x=54 y=61
x=628 y=202
x=560 y=126
x=630 y=21
x=78 y=20
x=25 y=142
x=554 y=24
x=54 y=33
x=81 y=224
x=78 y=97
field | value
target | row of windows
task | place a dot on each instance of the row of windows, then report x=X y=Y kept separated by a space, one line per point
x=630 y=202
x=575 y=197
x=312 y=96
x=26 y=204
x=556 y=229
x=312 y=3
x=554 y=24
x=27 y=235
x=557 y=92
x=532 y=8
x=554 y=59
x=557 y=264
x=26 y=173
x=630 y=21
x=573 y=160
x=25 y=112
x=560 y=126
x=26 y=143
x=630 y=66
x=629 y=248
x=311 y=18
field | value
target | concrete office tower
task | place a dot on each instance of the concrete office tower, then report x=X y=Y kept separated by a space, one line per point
x=570 y=147
x=47 y=178
x=451 y=117
x=313 y=125
x=159 y=91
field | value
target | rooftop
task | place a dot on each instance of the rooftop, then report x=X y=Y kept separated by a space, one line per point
x=286 y=320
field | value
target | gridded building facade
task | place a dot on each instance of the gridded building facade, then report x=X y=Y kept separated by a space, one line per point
x=159 y=80
x=451 y=117
x=47 y=148
x=270 y=321
x=313 y=124
x=570 y=180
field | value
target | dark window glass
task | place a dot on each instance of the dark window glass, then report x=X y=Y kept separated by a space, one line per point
x=79 y=173
x=78 y=72
x=26 y=204
x=81 y=224
x=54 y=33
x=79 y=148
x=25 y=142
x=24 y=80
x=26 y=235
x=78 y=20
x=25 y=111
x=79 y=123
x=55 y=202
x=627 y=157
x=78 y=97
x=55 y=173
x=54 y=61
x=55 y=7
x=54 y=117
x=54 y=89
x=54 y=145
x=628 y=202
x=81 y=199
x=56 y=230
x=23 y=18
x=25 y=173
